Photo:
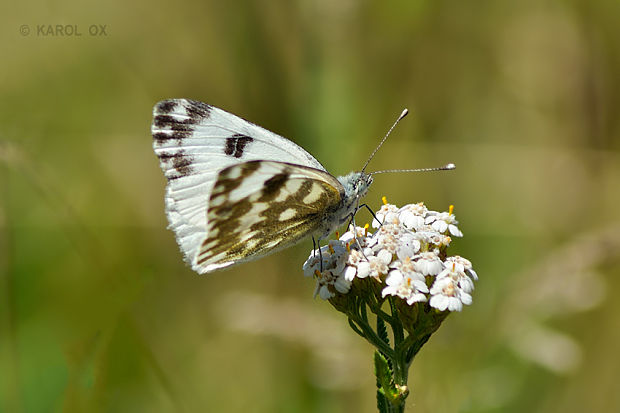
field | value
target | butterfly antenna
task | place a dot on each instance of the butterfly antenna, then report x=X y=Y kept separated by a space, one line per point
x=447 y=167
x=402 y=115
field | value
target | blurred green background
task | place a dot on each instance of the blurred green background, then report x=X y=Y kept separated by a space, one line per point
x=99 y=313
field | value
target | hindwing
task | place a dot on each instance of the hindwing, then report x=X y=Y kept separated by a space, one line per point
x=260 y=207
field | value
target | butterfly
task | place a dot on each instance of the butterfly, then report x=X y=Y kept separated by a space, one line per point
x=237 y=192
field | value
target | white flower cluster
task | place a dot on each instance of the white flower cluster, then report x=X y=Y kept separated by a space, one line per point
x=407 y=255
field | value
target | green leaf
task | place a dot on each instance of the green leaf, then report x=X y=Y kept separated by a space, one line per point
x=384 y=374
x=382 y=330
x=382 y=403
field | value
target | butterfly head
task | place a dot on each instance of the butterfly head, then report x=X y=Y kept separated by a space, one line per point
x=356 y=186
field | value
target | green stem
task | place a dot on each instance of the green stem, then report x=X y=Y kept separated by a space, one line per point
x=392 y=399
x=355 y=328
x=397 y=326
x=396 y=408
x=372 y=337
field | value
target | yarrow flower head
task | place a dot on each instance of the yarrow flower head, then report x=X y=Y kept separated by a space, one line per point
x=406 y=256
x=404 y=275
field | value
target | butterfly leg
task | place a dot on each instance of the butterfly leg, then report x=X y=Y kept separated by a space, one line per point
x=352 y=222
x=314 y=248
x=371 y=213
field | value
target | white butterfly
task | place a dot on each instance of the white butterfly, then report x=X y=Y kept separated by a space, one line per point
x=237 y=192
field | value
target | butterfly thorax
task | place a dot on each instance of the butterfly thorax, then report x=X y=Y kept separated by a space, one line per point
x=355 y=186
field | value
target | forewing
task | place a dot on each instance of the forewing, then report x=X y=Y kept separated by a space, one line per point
x=194 y=141
x=257 y=208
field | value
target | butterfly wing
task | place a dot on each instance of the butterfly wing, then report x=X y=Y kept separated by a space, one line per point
x=194 y=141
x=260 y=207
